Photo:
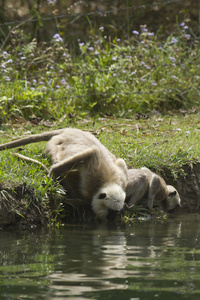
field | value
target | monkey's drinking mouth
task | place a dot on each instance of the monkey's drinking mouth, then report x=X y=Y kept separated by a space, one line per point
x=112 y=214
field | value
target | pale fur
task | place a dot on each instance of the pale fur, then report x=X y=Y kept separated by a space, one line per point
x=146 y=185
x=85 y=167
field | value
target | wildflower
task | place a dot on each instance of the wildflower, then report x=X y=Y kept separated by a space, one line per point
x=178 y=129
x=114 y=74
x=57 y=37
x=63 y=81
x=174 y=40
x=34 y=81
x=90 y=48
x=101 y=28
x=23 y=57
x=135 y=32
x=5 y=53
x=182 y=24
x=172 y=59
x=51 y=67
x=150 y=33
x=186 y=27
x=7 y=78
x=51 y=2
x=142 y=79
x=133 y=73
x=144 y=29
x=96 y=53
x=114 y=58
x=187 y=36
x=3 y=66
x=9 y=61
x=187 y=132
x=81 y=44
x=118 y=40
x=174 y=77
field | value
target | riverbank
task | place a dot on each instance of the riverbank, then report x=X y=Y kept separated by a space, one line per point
x=168 y=145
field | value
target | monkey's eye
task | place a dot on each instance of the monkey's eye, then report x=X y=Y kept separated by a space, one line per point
x=172 y=194
x=102 y=196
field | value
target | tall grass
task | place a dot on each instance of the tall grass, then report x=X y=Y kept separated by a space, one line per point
x=103 y=77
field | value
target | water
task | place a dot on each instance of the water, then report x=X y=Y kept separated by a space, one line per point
x=142 y=261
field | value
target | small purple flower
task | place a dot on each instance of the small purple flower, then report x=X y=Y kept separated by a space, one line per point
x=57 y=37
x=3 y=66
x=182 y=24
x=5 y=53
x=150 y=33
x=51 y=2
x=81 y=44
x=63 y=81
x=187 y=36
x=90 y=48
x=174 y=77
x=101 y=28
x=9 y=61
x=172 y=59
x=144 y=29
x=114 y=58
x=96 y=53
x=114 y=74
x=186 y=27
x=174 y=40
x=23 y=57
x=133 y=73
x=118 y=40
x=7 y=78
x=142 y=79
x=178 y=129
x=187 y=132
x=135 y=32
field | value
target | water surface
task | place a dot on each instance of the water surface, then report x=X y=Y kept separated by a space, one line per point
x=118 y=261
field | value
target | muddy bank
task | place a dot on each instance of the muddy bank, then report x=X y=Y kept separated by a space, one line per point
x=18 y=205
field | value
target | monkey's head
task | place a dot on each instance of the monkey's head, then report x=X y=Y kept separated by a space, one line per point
x=173 y=199
x=108 y=201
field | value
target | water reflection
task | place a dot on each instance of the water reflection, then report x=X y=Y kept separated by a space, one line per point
x=141 y=261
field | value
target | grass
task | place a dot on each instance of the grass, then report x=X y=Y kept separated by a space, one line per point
x=102 y=78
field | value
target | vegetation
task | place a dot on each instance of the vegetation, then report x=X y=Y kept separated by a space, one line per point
x=139 y=93
x=106 y=78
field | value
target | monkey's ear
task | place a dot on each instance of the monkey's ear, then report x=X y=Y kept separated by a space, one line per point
x=172 y=194
x=102 y=196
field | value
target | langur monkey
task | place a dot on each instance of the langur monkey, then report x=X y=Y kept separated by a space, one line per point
x=146 y=185
x=86 y=168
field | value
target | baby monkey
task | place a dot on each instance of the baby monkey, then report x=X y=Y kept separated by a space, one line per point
x=146 y=185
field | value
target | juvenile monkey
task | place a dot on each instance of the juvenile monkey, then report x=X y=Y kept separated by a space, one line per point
x=86 y=168
x=144 y=184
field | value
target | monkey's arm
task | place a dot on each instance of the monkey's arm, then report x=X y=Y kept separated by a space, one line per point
x=45 y=136
x=75 y=162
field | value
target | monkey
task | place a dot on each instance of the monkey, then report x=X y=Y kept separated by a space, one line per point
x=144 y=184
x=86 y=168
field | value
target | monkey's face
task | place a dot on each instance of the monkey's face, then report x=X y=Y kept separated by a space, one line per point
x=173 y=199
x=108 y=201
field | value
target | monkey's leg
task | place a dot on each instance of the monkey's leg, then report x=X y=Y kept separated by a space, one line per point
x=75 y=162
x=154 y=187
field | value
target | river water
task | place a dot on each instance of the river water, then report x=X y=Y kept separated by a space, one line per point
x=144 y=260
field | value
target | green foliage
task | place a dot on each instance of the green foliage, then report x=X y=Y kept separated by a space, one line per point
x=107 y=77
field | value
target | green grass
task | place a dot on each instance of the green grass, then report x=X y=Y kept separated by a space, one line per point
x=105 y=77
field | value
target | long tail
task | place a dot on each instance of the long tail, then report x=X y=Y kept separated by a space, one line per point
x=45 y=136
